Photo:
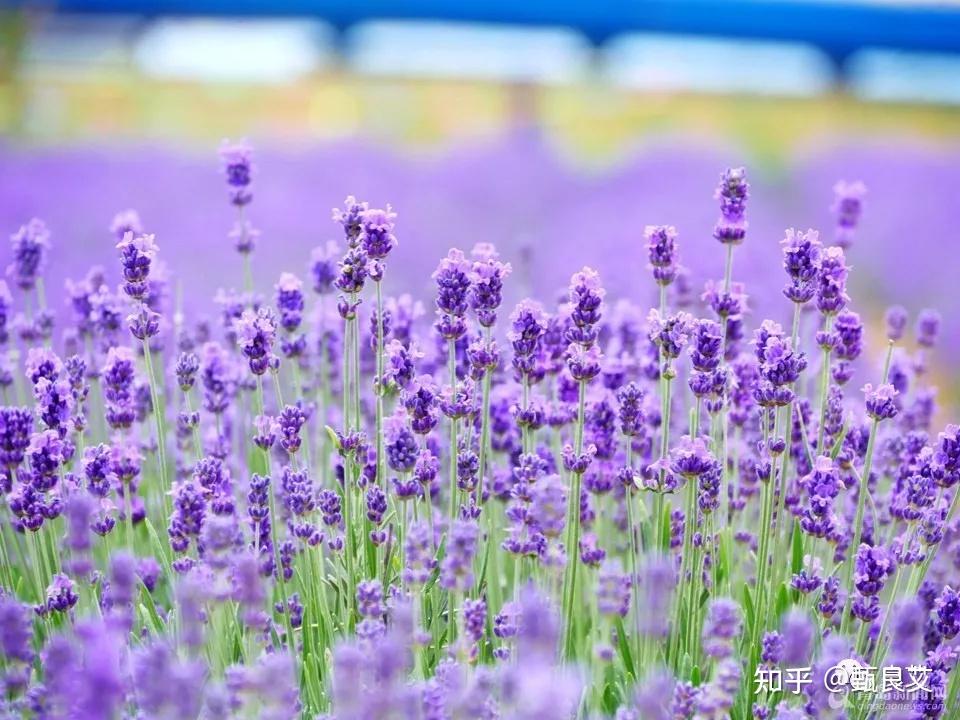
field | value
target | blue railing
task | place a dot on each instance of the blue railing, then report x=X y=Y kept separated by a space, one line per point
x=837 y=27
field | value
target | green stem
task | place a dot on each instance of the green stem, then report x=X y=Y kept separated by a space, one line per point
x=766 y=509
x=484 y=423
x=573 y=528
x=378 y=388
x=880 y=649
x=345 y=376
x=247 y=265
x=274 y=531
x=634 y=581
x=779 y=516
x=198 y=445
x=350 y=544
x=728 y=269
x=685 y=596
x=454 y=450
x=918 y=575
x=5 y=565
x=128 y=515
x=824 y=386
x=37 y=558
x=858 y=522
x=484 y=435
x=661 y=531
x=158 y=412
x=355 y=341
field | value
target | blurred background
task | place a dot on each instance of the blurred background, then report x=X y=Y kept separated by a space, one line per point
x=556 y=130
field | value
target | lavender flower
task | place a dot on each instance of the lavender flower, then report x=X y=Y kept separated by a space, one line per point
x=528 y=323
x=947 y=609
x=421 y=404
x=350 y=217
x=797 y=633
x=721 y=626
x=453 y=284
x=832 y=282
x=418 y=555
x=849 y=334
x=486 y=283
x=548 y=509
x=872 y=566
x=401 y=446
x=290 y=301
x=352 y=276
x=376 y=232
x=400 y=367
x=31 y=243
x=847 y=206
x=61 y=596
x=771 y=651
x=78 y=511
x=802 y=254
x=188 y=364
x=6 y=307
x=631 y=413
x=289 y=423
x=613 y=590
x=583 y=362
x=586 y=306
x=118 y=381
x=474 y=618
x=896 y=321
x=691 y=458
x=165 y=685
x=16 y=424
x=880 y=402
x=370 y=599
x=237 y=161
x=822 y=486
x=137 y=253
x=670 y=333
x=661 y=251
x=126 y=221
x=732 y=192
x=656 y=580
x=15 y=629
x=456 y=569
x=329 y=504
x=928 y=327
x=256 y=333
x=323 y=267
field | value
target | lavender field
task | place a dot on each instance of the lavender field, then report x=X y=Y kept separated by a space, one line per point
x=340 y=432
x=546 y=214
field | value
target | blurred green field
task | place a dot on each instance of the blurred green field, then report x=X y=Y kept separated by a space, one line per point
x=594 y=123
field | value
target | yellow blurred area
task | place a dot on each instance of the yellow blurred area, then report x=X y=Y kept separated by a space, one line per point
x=594 y=122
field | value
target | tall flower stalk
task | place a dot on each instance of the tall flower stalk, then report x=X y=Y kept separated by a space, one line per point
x=583 y=363
x=350 y=281
x=377 y=240
x=237 y=160
x=486 y=295
x=664 y=264
x=452 y=277
x=137 y=253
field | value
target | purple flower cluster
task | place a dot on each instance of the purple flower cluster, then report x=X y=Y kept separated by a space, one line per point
x=732 y=192
x=662 y=253
x=315 y=506
x=31 y=243
x=237 y=159
x=847 y=206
